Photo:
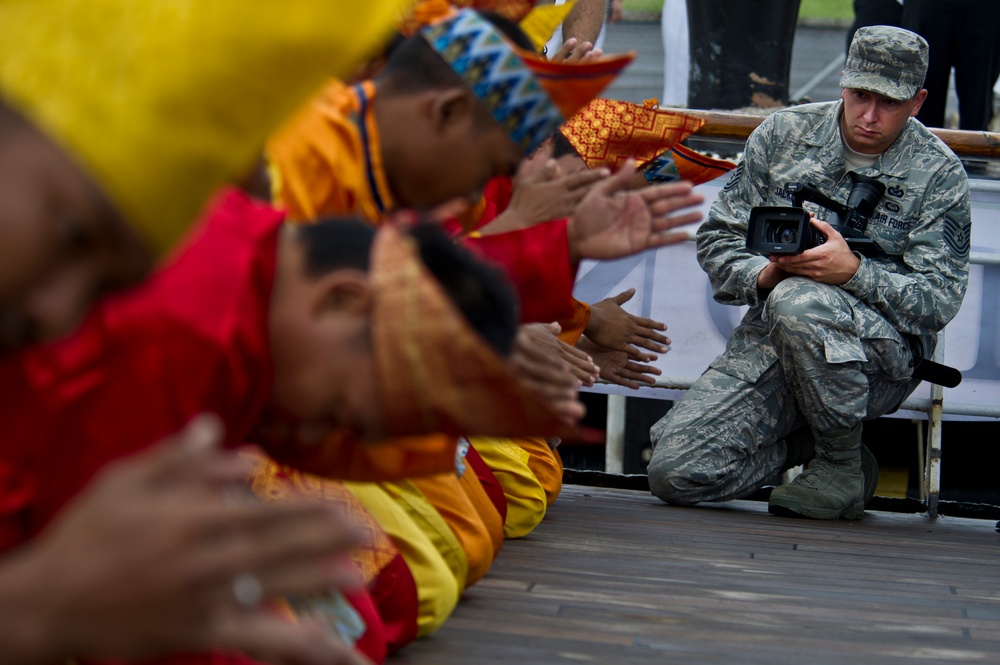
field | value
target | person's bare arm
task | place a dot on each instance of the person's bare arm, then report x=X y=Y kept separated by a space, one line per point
x=143 y=563
x=615 y=13
x=584 y=21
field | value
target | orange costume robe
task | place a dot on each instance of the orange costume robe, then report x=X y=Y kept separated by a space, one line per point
x=191 y=339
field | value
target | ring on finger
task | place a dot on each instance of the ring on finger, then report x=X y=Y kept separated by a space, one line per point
x=247 y=590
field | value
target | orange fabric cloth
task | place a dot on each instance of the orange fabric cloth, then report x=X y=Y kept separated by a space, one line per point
x=572 y=328
x=483 y=503
x=449 y=497
x=344 y=458
x=327 y=160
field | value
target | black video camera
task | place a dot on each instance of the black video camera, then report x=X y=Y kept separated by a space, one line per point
x=787 y=230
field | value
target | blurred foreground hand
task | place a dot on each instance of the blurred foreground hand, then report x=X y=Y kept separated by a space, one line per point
x=160 y=555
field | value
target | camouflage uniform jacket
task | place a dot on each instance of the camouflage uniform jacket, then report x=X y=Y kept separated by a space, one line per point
x=923 y=223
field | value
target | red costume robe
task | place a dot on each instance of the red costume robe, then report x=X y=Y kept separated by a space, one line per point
x=192 y=339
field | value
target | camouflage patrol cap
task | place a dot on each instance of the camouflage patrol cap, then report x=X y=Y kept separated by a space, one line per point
x=889 y=61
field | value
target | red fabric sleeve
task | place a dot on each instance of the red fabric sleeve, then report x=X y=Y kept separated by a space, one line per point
x=373 y=642
x=495 y=199
x=191 y=339
x=489 y=481
x=537 y=261
x=394 y=593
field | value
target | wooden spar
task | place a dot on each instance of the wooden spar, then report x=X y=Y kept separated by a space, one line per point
x=737 y=126
x=971 y=144
x=722 y=125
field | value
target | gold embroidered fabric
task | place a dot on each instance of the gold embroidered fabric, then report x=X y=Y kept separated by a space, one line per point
x=607 y=132
x=435 y=374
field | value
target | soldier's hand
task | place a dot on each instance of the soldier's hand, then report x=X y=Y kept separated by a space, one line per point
x=833 y=262
x=771 y=275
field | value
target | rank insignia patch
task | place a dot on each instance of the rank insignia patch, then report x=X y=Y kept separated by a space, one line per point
x=957 y=237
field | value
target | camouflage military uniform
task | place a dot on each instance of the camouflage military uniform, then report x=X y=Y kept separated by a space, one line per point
x=807 y=352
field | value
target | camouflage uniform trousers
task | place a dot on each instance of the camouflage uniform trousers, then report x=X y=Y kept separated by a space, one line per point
x=838 y=363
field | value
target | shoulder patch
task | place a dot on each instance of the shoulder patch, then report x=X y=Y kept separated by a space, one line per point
x=734 y=177
x=957 y=237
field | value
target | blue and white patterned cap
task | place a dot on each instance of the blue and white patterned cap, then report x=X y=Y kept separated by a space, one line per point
x=497 y=74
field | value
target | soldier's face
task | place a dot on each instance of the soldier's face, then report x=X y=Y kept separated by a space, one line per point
x=872 y=122
x=446 y=147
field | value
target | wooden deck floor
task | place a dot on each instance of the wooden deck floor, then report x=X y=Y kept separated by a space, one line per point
x=616 y=577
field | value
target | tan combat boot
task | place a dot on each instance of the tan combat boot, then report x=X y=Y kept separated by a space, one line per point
x=800 y=445
x=833 y=487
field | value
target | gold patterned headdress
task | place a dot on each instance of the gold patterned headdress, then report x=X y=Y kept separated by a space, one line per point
x=161 y=102
x=435 y=373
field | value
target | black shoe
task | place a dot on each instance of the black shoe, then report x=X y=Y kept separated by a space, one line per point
x=869 y=467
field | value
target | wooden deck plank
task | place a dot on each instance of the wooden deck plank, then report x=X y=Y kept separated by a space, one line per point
x=614 y=576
